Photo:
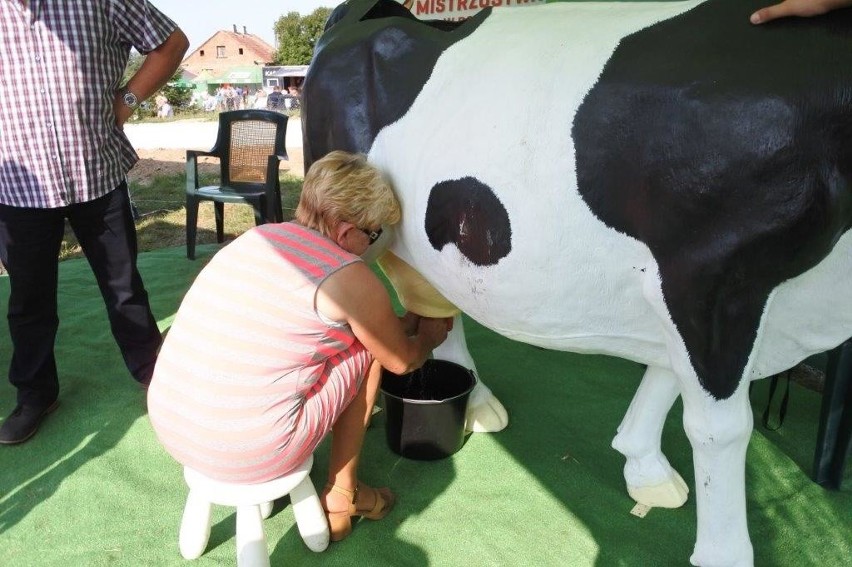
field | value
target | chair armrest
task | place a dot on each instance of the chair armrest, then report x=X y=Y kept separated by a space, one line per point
x=196 y=153
x=273 y=186
x=272 y=164
x=192 y=167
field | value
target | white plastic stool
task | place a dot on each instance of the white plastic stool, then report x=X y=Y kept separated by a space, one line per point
x=254 y=504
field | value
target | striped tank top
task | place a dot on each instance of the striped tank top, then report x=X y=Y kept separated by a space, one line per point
x=246 y=350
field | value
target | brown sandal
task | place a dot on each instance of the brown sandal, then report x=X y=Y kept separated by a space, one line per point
x=340 y=523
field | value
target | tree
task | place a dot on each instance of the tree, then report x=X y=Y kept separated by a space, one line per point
x=133 y=63
x=297 y=35
x=179 y=95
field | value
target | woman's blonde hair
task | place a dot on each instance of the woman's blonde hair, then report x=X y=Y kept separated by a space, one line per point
x=344 y=187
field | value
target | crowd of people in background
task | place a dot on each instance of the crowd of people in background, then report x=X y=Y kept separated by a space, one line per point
x=237 y=97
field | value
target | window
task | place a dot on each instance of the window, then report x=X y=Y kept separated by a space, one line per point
x=220 y=51
x=202 y=53
x=241 y=51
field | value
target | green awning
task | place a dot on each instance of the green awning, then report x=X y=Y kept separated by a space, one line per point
x=238 y=76
x=182 y=83
x=202 y=78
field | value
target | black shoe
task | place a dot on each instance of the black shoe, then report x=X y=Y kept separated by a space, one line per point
x=23 y=422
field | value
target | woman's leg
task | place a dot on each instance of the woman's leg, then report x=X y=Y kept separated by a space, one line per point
x=347 y=438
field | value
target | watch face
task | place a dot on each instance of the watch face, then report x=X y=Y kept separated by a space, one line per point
x=130 y=99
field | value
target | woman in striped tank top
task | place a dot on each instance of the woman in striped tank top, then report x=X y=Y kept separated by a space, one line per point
x=282 y=338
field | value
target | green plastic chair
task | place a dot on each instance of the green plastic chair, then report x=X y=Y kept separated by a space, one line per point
x=834 y=436
x=250 y=147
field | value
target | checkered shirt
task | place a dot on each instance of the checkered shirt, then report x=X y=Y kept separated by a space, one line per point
x=61 y=62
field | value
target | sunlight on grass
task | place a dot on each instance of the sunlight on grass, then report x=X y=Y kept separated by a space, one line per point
x=162 y=214
x=6 y=496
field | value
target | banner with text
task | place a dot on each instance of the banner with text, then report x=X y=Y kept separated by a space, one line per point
x=454 y=10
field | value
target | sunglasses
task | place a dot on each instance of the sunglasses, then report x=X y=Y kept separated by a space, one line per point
x=373 y=235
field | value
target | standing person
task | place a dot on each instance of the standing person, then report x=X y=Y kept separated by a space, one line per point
x=220 y=99
x=275 y=100
x=250 y=381
x=166 y=110
x=66 y=158
x=230 y=97
x=259 y=99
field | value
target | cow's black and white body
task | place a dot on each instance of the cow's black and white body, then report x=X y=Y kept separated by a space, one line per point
x=662 y=182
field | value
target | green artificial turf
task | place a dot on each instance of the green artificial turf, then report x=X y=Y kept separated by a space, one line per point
x=95 y=488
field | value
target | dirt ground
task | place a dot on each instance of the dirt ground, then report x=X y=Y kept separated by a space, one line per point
x=153 y=163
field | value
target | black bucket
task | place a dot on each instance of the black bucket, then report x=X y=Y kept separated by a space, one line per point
x=425 y=409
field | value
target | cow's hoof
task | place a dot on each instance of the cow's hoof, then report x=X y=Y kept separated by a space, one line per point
x=669 y=494
x=727 y=554
x=486 y=415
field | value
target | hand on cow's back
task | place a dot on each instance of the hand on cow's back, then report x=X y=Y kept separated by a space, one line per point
x=802 y=8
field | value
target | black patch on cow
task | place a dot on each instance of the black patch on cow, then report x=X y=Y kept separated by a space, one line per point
x=367 y=69
x=467 y=213
x=727 y=149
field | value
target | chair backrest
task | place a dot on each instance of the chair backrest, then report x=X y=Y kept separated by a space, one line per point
x=244 y=143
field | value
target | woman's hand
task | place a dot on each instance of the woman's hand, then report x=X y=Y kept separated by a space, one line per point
x=409 y=323
x=434 y=331
x=804 y=8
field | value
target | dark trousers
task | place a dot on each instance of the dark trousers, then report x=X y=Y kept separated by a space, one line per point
x=30 y=240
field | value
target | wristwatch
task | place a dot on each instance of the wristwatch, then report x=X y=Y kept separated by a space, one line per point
x=128 y=98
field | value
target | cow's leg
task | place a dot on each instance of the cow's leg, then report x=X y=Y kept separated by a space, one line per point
x=485 y=413
x=719 y=432
x=651 y=480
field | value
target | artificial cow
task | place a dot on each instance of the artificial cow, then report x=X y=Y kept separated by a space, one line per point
x=661 y=182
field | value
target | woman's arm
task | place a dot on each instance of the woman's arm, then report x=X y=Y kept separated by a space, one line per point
x=354 y=294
